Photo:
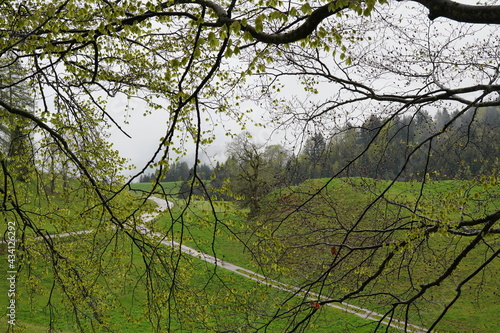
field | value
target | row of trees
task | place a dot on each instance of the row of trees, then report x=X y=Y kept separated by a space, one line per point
x=408 y=147
x=178 y=171
x=379 y=148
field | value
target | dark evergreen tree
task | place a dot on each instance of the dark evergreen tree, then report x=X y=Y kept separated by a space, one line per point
x=315 y=156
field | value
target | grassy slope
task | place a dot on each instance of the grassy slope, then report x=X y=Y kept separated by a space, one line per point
x=233 y=297
x=168 y=187
x=475 y=311
x=233 y=292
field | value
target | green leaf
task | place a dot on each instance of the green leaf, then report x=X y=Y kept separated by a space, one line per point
x=306 y=8
x=197 y=52
x=259 y=26
x=235 y=26
x=212 y=40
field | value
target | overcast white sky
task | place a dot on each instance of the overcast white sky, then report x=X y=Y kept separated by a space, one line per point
x=146 y=131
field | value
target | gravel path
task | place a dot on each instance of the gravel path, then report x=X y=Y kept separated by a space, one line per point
x=164 y=205
x=361 y=312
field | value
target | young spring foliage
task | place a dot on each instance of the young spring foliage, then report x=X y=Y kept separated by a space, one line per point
x=200 y=63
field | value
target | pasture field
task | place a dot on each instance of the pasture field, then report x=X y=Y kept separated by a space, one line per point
x=222 y=229
x=171 y=188
x=231 y=299
x=343 y=201
x=231 y=296
x=230 y=238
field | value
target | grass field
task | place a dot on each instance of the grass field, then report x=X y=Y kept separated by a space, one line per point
x=215 y=298
x=171 y=188
x=231 y=298
x=475 y=311
x=344 y=200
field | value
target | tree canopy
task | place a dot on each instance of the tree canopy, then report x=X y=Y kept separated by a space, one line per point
x=315 y=67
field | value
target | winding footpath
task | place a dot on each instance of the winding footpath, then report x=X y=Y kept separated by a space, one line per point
x=356 y=310
x=164 y=205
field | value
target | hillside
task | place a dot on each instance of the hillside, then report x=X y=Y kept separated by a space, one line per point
x=120 y=290
x=378 y=244
x=327 y=236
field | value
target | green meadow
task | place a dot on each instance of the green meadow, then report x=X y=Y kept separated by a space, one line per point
x=216 y=299
x=231 y=298
x=343 y=201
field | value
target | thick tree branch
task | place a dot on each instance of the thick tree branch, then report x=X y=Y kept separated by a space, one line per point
x=301 y=32
x=461 y=12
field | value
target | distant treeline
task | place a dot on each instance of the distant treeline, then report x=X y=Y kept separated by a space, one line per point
x=178 y=171
x=405 y=147
x=446 y=146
